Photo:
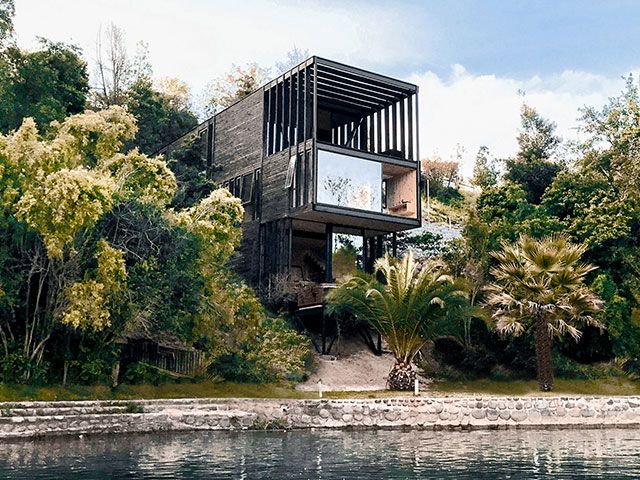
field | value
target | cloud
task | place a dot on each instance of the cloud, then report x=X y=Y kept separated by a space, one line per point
x=198 y=40
x=473 y=110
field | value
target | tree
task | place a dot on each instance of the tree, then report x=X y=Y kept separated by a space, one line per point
x=7 y=11
x=534 y=167
x=113 y=67
x=295 y=57
x=613 y=148
x=238 y=83
x=47 y=84
x=411 y=307
x=540 y=285
x=485 y=173
x=160 y=119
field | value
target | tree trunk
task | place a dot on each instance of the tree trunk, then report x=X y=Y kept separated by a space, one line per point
x=544 y=357
x=401 y=377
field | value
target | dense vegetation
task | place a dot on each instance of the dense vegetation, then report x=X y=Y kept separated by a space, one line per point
x=587 y=193
x=101 y=242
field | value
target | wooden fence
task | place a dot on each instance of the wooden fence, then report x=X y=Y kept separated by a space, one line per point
x=181 y=362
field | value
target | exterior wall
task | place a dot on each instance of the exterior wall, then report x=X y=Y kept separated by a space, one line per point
x=34 y=419
x=238 y=151
x=275 y=197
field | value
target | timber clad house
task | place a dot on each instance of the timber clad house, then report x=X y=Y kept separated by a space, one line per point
x=325 y=161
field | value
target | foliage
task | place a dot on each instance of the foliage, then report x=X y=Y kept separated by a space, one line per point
x=190 y=171
x=540 y=284
x=612 y=148
x=276 y=353
x=47 y=84
x=533 y=167
x=439 y=174
x=162 y=117
x=485 y=173
x=66 y=202
x=227 y=89
x=88 y=299
x=413 y=306
x=7 y=11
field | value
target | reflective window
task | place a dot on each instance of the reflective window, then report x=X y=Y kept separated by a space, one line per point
x=348 y=181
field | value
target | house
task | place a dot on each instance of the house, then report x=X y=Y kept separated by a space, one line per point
x=325 y=160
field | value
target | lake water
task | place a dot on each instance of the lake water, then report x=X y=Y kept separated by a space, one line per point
x=329 y=455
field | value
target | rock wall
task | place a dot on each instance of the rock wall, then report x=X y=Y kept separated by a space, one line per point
x=31 y=419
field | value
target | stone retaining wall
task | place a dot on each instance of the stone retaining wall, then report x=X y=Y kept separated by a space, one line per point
x=30 y=419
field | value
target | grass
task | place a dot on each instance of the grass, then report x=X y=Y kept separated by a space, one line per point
x=609 y=386
x=208 y=389
x=205 y=389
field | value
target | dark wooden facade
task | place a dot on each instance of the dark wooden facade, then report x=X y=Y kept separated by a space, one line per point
x=285 y=148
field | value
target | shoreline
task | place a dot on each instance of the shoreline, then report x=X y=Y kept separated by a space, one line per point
x=39 y=419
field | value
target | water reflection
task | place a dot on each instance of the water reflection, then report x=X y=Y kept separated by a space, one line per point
x=330 y=455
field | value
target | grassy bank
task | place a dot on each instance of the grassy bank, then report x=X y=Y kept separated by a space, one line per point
x=13 y=393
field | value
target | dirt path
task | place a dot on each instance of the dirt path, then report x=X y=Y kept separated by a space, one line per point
x=353 y=368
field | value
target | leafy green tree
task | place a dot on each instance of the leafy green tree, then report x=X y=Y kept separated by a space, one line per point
x=55 y=190
x=47 y=84
x=613 y=147
x=159 y=119
x=7 y=11
x=411 y=307
x=534 y=167
x=190 y=169
x=540 y=285
x=485 y=173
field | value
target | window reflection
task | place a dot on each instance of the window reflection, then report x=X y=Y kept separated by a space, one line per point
x=349 y=181
x=347 y=255
x=353 y=182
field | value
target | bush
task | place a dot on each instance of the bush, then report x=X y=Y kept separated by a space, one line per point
x=277 y=352
x=143 y=373
x=16 y=368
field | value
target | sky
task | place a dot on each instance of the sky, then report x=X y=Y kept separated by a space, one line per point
x=474 y=61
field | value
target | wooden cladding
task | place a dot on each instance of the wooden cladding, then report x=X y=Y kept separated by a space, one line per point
x=288 y=110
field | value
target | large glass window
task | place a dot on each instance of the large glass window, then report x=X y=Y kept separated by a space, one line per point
x=348 y=181
x=353 y=182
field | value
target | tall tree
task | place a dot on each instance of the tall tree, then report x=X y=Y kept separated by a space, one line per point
x=47 y=84
x=113 y=67
x=159 y=118
x=534 y=167
x=238 y=83
x=485 y=173
x=540 y=284
x=7 y=11
x=612 y=150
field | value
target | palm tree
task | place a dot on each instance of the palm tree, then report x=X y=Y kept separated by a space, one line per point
x=408 y=309
x=540 y=284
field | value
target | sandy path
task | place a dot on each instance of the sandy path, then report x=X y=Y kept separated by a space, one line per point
x=353 y=368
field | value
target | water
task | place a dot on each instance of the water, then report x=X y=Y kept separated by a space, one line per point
x=329 y=455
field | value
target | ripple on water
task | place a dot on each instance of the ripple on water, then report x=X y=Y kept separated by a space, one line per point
x=330 y=455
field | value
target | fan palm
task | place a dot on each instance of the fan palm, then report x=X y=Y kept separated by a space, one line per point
x=539 y=284
x=408 y=309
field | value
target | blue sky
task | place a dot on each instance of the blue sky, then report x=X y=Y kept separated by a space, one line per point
x=524 y=38
x=471 y=59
